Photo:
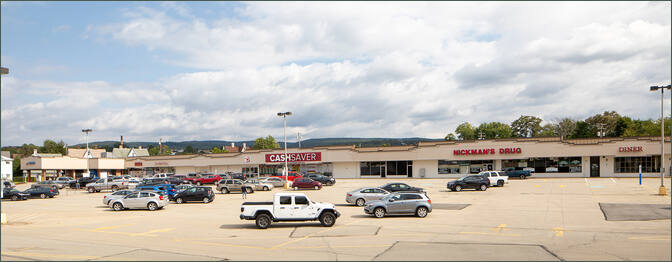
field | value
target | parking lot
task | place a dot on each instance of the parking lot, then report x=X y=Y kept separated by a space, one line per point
x=533 y=219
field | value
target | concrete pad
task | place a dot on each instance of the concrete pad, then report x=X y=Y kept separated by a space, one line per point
x=409 y=251
x=634 y=212
x=443 y=206
x=153 y=255
x=337 y=231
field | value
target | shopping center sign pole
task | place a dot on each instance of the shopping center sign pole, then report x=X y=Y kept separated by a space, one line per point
x=662 y=191
x=284 y=132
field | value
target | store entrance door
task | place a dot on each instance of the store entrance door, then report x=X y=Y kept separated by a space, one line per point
x=409 y=169
x=594 y=166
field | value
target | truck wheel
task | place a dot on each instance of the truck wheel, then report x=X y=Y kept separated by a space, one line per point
x=421 y=212
x=329 y=183
x=198 y=183
x=379 y=212
x=249 y=190
x=14 y=198
x=179 y=200
x=43 y=196
x=91 y=189
x=117 y=206
x=224 y=190
x=500 y=183
x=317 y=187
x=458 y=188
x=522 y=176
x=360 y=202
x=115 y=188
x=206 y=200
x=152 y=206
x=483 y=187
x=266 y=188
x=296 y=188
x=263 y=221
x=328 y=219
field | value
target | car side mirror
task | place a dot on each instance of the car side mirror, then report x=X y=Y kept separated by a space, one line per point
x=391 y=200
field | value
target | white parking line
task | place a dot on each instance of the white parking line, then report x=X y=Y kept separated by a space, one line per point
x=612 y=179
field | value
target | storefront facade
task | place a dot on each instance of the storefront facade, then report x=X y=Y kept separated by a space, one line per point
x=38 y=168
x=546 y=157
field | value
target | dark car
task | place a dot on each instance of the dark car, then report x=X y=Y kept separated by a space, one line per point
x=176 y=180
x=81 y=183
x=42 y=192
x=240 y=176
x=401 y=187
x=152 y=181
x=14 y=194
x=198 y=193
x=473 y=182
x=305 y=182
x=325 y=180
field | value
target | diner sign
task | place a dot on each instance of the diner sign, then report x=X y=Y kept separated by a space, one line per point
x=630 y=149
x=294 y=157
x=486 y=151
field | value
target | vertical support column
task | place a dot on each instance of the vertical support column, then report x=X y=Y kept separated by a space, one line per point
x=44 y=175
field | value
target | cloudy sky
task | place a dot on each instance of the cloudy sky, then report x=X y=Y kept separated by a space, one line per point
x=222 y=70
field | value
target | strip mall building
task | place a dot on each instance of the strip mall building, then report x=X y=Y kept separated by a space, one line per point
x=547 y=157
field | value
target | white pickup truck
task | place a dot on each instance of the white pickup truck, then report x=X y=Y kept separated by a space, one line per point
x=288 y=207
x=495 y=177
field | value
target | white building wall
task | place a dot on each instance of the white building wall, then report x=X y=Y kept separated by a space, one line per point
x=224 y=169
x=183 y=170
x=431 y=168
x=7 y=170
x=346 y=169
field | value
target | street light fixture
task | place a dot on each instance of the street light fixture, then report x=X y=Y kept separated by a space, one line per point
x=284 y=132
x=662 y=191
x=87 y=154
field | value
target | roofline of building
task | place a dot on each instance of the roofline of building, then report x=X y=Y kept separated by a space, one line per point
x=574 y=141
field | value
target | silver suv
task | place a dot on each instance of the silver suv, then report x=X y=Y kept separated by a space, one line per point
x=140 y=200
x=400 y=204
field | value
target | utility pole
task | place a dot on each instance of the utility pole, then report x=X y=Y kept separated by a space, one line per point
x=160 y=149
x=600 y=131
x=284 y=133
x=480 y=135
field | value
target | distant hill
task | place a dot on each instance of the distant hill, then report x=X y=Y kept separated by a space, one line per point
x=209 y=144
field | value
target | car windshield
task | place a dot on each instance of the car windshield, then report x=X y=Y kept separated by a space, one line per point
x=461 y=178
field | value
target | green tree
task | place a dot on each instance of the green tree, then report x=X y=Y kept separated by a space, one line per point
x=494 y=130
x=217 y=150
x=189 y=150
x=549 y=130
x=526 y=126
x=450 y=137
x=607 y=120
x=52 y=147
x=566 y=127
x=155 y=150
x=16 y=167
x=582 y=130
x=265 y=143
x=27 y=150
x=465 y=131
x=644 y=128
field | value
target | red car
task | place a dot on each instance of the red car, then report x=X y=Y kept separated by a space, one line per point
x=305 y=182
x=291 y=175
x=208 y=179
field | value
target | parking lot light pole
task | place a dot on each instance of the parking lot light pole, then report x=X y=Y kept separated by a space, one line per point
x=662 y=191
x=87 y=155
x=284 y=132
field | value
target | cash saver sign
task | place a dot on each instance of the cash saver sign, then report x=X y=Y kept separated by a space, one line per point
x=486 y=151
x=294 y=157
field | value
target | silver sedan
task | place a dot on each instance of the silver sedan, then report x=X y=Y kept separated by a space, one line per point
x=275 y=181
x=116 y=195
x=364 y=195
x=259 y=186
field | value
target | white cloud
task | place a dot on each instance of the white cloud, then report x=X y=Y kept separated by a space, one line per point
x=360 y=70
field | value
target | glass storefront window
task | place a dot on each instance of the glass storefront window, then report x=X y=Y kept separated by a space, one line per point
x=650 y=164
x=545 y=164
x=387 y=168
x=464 y=167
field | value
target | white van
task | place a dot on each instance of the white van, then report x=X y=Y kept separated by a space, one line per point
x=161 y=175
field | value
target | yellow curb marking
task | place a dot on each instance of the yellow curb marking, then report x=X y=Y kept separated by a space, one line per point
x=492 y=234
x=500 y=228
x=559 y=231
x=651 y=238
x=562 y=186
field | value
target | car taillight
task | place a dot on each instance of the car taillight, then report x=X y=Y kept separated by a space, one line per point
x=349 y=194
x=429 y=201
x=160 y=197
x=173 y=190
x=51 y=191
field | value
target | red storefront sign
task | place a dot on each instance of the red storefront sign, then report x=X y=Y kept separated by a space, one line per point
x=294 y=157
x=630 y=149
x=486 y=151
x=138 y=163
